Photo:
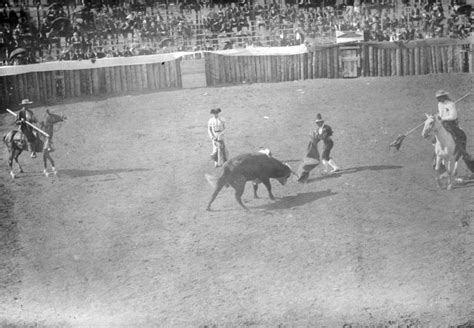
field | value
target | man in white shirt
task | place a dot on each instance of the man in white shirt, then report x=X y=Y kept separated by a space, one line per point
x=449 y=117
x=215 y=129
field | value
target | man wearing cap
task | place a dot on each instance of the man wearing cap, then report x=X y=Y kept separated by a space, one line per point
x=215 y=129
x=26 y=115
x=324 y=133
x=449 y=118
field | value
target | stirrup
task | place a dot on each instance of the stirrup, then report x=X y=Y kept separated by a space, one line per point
x=33 y=155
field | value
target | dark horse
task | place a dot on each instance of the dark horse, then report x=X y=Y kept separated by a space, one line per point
x=16 y=143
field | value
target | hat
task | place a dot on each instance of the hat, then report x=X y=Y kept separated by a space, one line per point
x=319 y=118
x=441 y=93
x=215 y=111
x=26 y=102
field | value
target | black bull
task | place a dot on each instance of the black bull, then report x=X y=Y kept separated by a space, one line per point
x=255 y=167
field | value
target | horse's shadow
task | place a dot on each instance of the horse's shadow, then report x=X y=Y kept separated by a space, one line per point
x=355 y=170
x=296 y=200
x=78 y=173
x=468 y=182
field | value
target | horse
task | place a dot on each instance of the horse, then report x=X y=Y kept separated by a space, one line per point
x=444 y=149
x=16 y=143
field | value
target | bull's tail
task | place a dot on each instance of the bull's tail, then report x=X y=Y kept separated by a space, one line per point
x=221 y=178
x=212 y=180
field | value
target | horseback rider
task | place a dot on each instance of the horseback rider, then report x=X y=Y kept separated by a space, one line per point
x=215 y=129
x=324 y=133
x=449 y=118
x=26 y=115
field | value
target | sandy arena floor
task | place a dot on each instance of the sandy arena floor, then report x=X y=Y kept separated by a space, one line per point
x=121 y=238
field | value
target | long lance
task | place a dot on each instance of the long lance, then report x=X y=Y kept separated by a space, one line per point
x=397 y=143
x=32 y=125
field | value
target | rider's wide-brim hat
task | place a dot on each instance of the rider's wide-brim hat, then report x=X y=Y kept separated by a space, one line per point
x=319 y=118
x=26 y=102
x=215 y=111
x=441 y=93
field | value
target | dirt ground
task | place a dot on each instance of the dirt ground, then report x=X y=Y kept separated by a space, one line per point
x=121 y=237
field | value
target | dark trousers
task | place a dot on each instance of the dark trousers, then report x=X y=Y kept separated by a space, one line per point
x=327 y=147
x=459 y=136
x=30 y=137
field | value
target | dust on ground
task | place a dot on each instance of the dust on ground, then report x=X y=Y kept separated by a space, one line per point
x=121 y=237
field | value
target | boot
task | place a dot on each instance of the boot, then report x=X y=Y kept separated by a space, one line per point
x=335 y=168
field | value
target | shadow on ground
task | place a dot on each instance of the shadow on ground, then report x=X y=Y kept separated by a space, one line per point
x=355 y=170
x=76 y=173
x=296 y=200
x=467 y=182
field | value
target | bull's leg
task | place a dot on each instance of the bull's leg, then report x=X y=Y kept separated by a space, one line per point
x=239 y=186
x=255 y=187
x=219 y=185
x=267 y=184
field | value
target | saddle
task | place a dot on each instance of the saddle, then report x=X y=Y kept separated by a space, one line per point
x=15 y=136
x=19 y=139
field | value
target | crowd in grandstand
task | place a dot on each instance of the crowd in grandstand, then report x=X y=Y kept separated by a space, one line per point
x=124 y=30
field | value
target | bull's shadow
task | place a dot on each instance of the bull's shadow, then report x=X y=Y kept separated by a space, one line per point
x=355 y=170
x=78 y=173
x=296 y=200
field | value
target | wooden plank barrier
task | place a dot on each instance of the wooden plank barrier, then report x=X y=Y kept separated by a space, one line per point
x=124 y=75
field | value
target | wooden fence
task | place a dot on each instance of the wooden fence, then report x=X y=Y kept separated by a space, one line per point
x=48 y=86
x=387 y=59
x=49 y=82
x=338 y=61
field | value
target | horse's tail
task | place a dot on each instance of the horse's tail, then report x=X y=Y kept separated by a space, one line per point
x=470 y=164
x=8 y=138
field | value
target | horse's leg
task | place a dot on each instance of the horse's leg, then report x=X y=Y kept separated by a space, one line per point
x=10 y=163
x=449 y=171
x=45 y=162
x=437 y=166
x=18 y=162
x=455 y=168
x=46 y=157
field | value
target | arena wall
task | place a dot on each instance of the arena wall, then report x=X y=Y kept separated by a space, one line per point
x=50 y=82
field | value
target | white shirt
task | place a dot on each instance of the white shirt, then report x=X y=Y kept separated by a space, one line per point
x=215 y=127
x=447 y=110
